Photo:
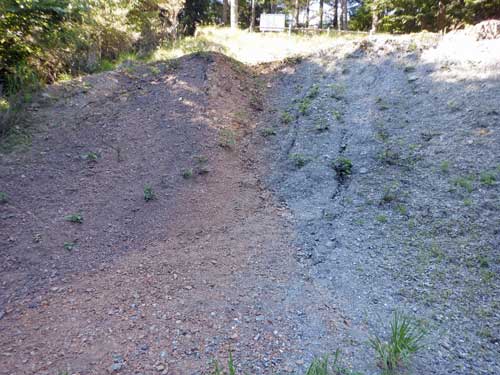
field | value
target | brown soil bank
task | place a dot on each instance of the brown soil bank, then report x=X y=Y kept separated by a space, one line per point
x=140 y=286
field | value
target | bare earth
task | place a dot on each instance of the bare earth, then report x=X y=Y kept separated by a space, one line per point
x=243 y=251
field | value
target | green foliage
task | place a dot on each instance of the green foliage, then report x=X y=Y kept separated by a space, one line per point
x=69 y=245
x=342 y=167
x=286 y=117
x=74 y=218
x=149 y=194
x=227 y=138
x=299 y=160
x=4 y=198
x=187 y=173
x=267 y=132
x=488 y=178
x=405 y=340
x=405 y=16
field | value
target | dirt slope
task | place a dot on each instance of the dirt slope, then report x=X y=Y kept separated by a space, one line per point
x=415 y=227
x=163 y=286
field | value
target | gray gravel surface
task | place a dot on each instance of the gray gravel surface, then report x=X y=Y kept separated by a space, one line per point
x=416 y=226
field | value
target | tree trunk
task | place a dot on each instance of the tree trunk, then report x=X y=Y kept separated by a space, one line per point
x=225 y=12
x=321 y=13
x=441 y=18
x=336 y=14
x=307 y=13
x=234 y=14
x=252 y=19
x=297 y=9
x=344 y=14
x=374 y=18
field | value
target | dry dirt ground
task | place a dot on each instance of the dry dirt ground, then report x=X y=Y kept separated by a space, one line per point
x=252 y=244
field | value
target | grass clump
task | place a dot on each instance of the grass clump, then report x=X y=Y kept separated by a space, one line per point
x=381 y=219
x=231 y=369
x=227 y=138
x=187 y=173
x=268 y=132
x=466 y=183
x=299 y=160
x=487 y=178
x=74 y=218
x=4 y=198
x=404 y=341
x=69 y=245
x=304 y=106
x=313 y=92
x=342 y=167
x=149 y=193
x=286 y=117
x=91 y=157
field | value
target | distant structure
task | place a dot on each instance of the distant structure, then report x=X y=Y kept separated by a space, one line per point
x=272 y=22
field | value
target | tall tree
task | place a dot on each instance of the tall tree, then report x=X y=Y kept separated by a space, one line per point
x=343 y=5
x=321 y=13
x=234 y=14
x=297 y=10
x=375 y=19
x=307 y=12
x=335 y=14
x=225 y=12
x=252 y=16
x=441 y=17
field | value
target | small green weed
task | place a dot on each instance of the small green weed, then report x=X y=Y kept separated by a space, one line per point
x=231 y=368
x=445 y=166
x=402 y=209
x=304 y=105
x=487 y=178
x=267 y=132
x=4 y=198
x=337 y=115
x=342 y=167
x=405 y=340
x=149 y=194
x=381 y=219
x=299 y=160
x=74 y=218
x=466 y=183
x=322 y=126
x=313 y=92
x=69 y=245
x=227 y=138
x=91 y=157
x=187 y=173
x=338 y=91
x=286 y=117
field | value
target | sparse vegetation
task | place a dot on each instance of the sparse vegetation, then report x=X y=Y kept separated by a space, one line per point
x=381 y=218
x=4 y=198
x=149 y=194
x=227 y=138
x=342 y=167
x=304 y=105
x=404 y=341
x=70 y=245
x=74 y=218
x=286 y=117
x=299 y=160
x=487 y=178
x=267 y=132
x=187 y=173
x=91 y=157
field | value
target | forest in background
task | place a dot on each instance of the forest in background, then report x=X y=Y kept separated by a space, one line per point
x=42 y=41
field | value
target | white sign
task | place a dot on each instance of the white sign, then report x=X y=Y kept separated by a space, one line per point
x=272 y=22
